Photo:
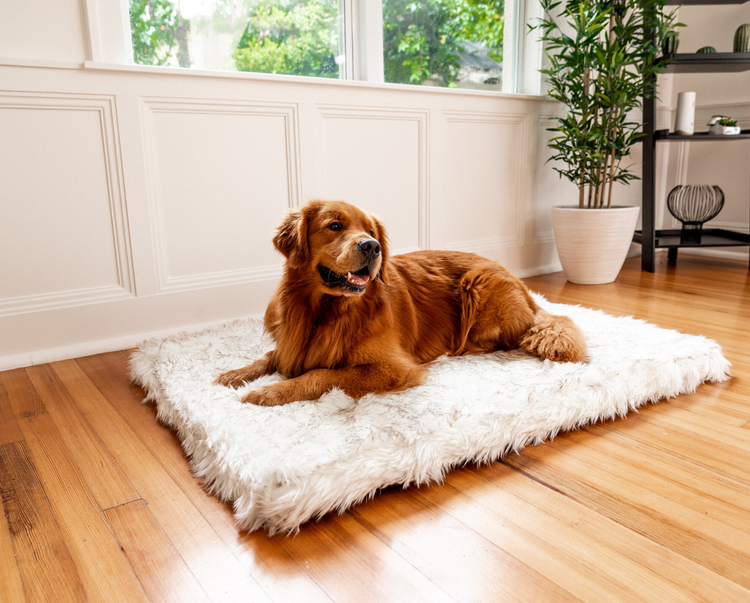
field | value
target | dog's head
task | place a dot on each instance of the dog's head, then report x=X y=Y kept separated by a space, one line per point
x=343 y=247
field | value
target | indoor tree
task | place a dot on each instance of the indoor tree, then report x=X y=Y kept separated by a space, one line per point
x=602 y=61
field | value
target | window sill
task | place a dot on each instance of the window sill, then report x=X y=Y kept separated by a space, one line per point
x=298 y=79
x=259 y=77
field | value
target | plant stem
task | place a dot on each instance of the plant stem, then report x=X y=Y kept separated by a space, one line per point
x=611 y=181
x=612 y=165
x=593 y=180
x=582 y=185
x=612 y=114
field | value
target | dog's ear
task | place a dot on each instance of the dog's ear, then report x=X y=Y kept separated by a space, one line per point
x=291 y=237
x=382 y=238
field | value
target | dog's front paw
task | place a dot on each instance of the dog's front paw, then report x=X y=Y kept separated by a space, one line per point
x=234 y=378
x=265 y=396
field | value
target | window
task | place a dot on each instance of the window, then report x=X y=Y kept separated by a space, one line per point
x=450 y=43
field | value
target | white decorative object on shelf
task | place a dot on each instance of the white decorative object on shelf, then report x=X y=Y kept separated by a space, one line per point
x=721 y=124
x=684 y=122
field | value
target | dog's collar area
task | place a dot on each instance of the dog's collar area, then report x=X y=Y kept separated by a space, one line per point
x=352 y=281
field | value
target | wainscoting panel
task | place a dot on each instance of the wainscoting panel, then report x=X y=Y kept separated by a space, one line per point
x=221 y=175
x=63 y=221
x=485 y=188
x=378 y=159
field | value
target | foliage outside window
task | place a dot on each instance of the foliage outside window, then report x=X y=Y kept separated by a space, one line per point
x=299 y=39
x=456 y=43
x=238 y=35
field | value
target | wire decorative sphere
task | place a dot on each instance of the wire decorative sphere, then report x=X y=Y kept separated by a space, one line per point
x=695 y=204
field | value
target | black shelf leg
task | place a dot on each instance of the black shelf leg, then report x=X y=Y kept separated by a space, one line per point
x=672 y=254
x=648 y=210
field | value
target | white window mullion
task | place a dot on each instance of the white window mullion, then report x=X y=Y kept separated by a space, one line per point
x=530 y=49
x=347 y=35
x=108 y=29
x=369 y=40
x=363 y=22
x=511 y=46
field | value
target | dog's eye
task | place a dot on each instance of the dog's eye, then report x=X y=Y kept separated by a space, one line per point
x=334 y=226
x=372 y=234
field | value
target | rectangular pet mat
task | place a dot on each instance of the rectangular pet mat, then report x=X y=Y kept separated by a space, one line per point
x=284 y=465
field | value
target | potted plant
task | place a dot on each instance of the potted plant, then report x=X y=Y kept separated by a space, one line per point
x=602 y=61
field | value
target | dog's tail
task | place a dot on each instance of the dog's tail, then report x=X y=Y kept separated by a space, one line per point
x=554 y=337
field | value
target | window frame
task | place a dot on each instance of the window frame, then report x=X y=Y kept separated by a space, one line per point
x=110 y=43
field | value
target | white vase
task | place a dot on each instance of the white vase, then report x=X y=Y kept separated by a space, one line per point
x=592 y=243
x=684 y=121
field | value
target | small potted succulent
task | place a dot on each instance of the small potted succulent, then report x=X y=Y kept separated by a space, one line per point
x=725 y=126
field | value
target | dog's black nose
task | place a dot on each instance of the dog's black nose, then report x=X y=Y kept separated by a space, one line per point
x=370 y=247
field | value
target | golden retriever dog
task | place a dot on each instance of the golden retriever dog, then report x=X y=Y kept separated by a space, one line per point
x=348 y=315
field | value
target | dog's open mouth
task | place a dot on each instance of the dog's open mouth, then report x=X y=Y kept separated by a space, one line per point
x=351 y=281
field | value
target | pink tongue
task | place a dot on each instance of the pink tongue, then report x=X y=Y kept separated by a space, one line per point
x=355 y=279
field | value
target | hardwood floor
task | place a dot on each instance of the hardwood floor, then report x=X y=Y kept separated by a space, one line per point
x=99 y=503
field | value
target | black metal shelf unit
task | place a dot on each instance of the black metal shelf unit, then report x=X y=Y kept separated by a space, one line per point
x=650 y=238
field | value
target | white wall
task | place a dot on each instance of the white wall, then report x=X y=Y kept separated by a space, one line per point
x=136 y=201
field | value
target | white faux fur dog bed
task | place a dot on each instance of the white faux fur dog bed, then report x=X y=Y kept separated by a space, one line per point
x=283 y=465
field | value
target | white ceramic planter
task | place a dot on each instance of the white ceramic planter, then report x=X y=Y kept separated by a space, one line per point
x=592 y=243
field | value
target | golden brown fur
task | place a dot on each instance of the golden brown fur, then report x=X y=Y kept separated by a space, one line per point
x=348 y=315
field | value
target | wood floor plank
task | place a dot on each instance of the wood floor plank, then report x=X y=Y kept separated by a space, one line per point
x=11 y=586
x=270 y=565
x=324 y=548
x=720 y=406
x=699 y=582
x=9 y=431
x=587 y=566
x=694 y=443
x=101 y=472
x=637 y=515
x=22 y=396
x=729 y=438
x=220 y=574
x=103 y=571
x=631 y=486
x=176 y=516
x=43 y=560
x=275 y=569
x=699 y=492
x=218 y=571
x=161 y=569
x=445 y=549
x=668 y=465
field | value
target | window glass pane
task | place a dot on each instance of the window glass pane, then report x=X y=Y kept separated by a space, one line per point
x=295 y=37
x=454 y=43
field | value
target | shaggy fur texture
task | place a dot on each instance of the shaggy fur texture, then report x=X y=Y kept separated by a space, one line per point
x=284 y=465
x=348 y=315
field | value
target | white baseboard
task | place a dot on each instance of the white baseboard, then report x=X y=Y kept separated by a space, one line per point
x=529 y=272
x=97 y=347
